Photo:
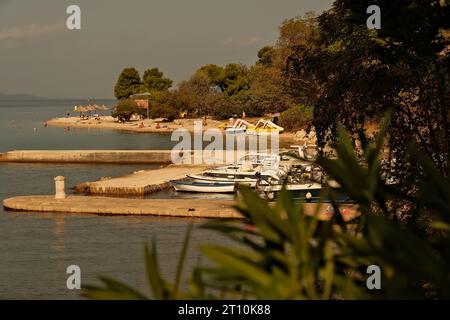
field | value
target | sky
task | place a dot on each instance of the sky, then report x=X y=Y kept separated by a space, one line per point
x=40 y=56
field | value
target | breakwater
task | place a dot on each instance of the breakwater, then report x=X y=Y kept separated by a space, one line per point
x=89 y=156
x=187 y=208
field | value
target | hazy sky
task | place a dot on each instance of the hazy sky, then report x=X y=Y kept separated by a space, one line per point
x=38 y=55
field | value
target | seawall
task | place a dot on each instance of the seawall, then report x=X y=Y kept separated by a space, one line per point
x=89 y=156
x=117 y=156
x=186 y=208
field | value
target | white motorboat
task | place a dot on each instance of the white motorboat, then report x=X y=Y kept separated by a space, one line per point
x=253 y=165
x=251 y=182
x=203 y=187
x=247 y=171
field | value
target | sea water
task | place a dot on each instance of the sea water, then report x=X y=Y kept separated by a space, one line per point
x=36 y=248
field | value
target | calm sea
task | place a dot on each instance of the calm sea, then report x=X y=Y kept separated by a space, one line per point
x=36 y=249
x=22 y=127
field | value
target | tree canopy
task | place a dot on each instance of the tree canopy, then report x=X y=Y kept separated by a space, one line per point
x=355 y=75
x=129 y=83
x=154 y=80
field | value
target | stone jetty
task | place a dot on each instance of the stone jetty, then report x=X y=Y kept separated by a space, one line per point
x=183 y=208
x=89 y=156
x=187 y=208
x=139 y=183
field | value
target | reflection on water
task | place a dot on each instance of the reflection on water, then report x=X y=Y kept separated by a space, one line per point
x=36 y=248
x=58 y=232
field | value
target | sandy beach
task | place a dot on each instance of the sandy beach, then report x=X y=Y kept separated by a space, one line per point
x=149 y=125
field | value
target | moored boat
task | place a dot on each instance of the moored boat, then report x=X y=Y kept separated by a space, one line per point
x=304 y=191
x=251 y=182
x=203 y=187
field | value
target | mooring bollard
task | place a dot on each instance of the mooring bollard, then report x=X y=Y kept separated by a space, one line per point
x=60 y=192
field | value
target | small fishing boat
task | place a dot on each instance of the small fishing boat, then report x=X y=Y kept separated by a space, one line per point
x=203 y=187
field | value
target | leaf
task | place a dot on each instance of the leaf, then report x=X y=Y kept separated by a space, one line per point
x=112 y=290
x=154 y=277
x=239 y=263
x=181 y=262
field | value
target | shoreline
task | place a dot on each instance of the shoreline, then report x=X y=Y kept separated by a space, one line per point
x=109 y=123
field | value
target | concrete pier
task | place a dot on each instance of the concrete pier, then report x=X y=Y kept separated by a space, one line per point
x=119 y=156
x=139 y=183
x=118 y=206
x=89 y=156
x=186 y=208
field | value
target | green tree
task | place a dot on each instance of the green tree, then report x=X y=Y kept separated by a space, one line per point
x=357 y=74
x=129 y=83
x=265 y=55
x=267 y=92
x=226 y=107
x=293 y=33
x=236 y=78
x=215 y=74
x=196 y=95
x=125 y=109
x=154 y=80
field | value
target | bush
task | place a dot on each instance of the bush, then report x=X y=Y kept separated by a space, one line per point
x=227 y=108
x=296 y=117
x=163 y=111
x=125 y=109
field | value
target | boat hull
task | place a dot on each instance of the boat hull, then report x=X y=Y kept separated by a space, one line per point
x=304 y=192
x=203 y=178
x=205 y=187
